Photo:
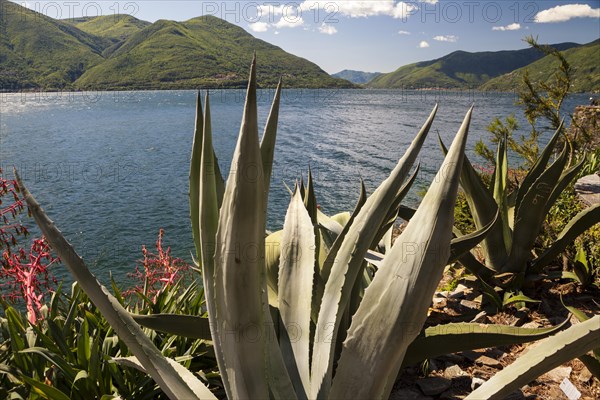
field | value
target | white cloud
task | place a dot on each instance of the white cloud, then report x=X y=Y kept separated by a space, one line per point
x=259 y=27
x=327 y=29
x=423 y=45
x=446 y=38
x=567 y=12
x=403 y=33
x=289 y=22
x=360 y=8
x=511 y=27
x=429 y=1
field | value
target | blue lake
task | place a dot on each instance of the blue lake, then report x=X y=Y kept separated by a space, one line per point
x=111 y=168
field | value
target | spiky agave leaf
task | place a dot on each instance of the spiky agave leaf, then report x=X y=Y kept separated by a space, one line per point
x=347 y=264
x=548 y=354
x=394 y=306
x=158 y=367
x=296 y=272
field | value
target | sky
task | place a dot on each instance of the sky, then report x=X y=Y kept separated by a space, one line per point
x=370 y=35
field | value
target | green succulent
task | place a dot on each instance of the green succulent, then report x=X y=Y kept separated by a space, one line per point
x=322 y=315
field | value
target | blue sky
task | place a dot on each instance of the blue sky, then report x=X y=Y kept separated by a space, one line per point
x=370 y=35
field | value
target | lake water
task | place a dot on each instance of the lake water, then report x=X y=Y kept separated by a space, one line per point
x=111 y=168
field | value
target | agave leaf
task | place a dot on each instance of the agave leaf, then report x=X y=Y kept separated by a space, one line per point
x=579 y=224
x=549 y=354
x=452 y=338
x=272 y=255
x=190 y=326
x=296 y=271
x=188 y=376
x=329 y=223
x=239 y=263
x=394 y=306
x=119 y=319
x=208 y=217
x=267 y=144
x=195 y=174
x=483 y=208
x=565 y=179
x=348 y=263
x=530 y=215
x=538 y=168
x=501 y=189
x=342 y=218
x=374 y=258
x=462 y=245
x=518 y=298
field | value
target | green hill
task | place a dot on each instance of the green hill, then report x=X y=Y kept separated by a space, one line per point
x=203 y=51
x=585 y=61
x=37 y=51
x=116 y=27
x=358 y=77
x=122 y=52
x=460 y=69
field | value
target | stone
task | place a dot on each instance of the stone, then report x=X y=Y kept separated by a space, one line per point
x=476 y=382
x=531 y=325
x=453 y=371
x=584 y=376
x=557 y=374
x=459 y=292
x=489 y=361
x=433 y=386
x=469 y=304
x=471 y=355
x=588 y=189
x=439 y=302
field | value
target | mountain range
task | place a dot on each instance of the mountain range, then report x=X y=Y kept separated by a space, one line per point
x=357 y=77
x=499 y=70
x=122 y=52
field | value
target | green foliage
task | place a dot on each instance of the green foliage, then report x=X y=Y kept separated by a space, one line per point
x=541 y=100
x=460 y=69
x=522 y=214
x=584 y=76
x=69 y=354
x=123 y=53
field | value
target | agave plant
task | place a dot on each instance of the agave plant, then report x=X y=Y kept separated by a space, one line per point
x=508 y=247
x=308 y=320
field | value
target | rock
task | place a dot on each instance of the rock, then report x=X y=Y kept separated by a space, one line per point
x=557 y=374
x=476 y=382
x=471 y=355
x=588 y=189
x=443 y=294
x=439 y=302
x=453 y=371
x=459 y=292
x=489 y=361
x=433 y=386
x=469 y=304
x=531 y=325
x=584 y=376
